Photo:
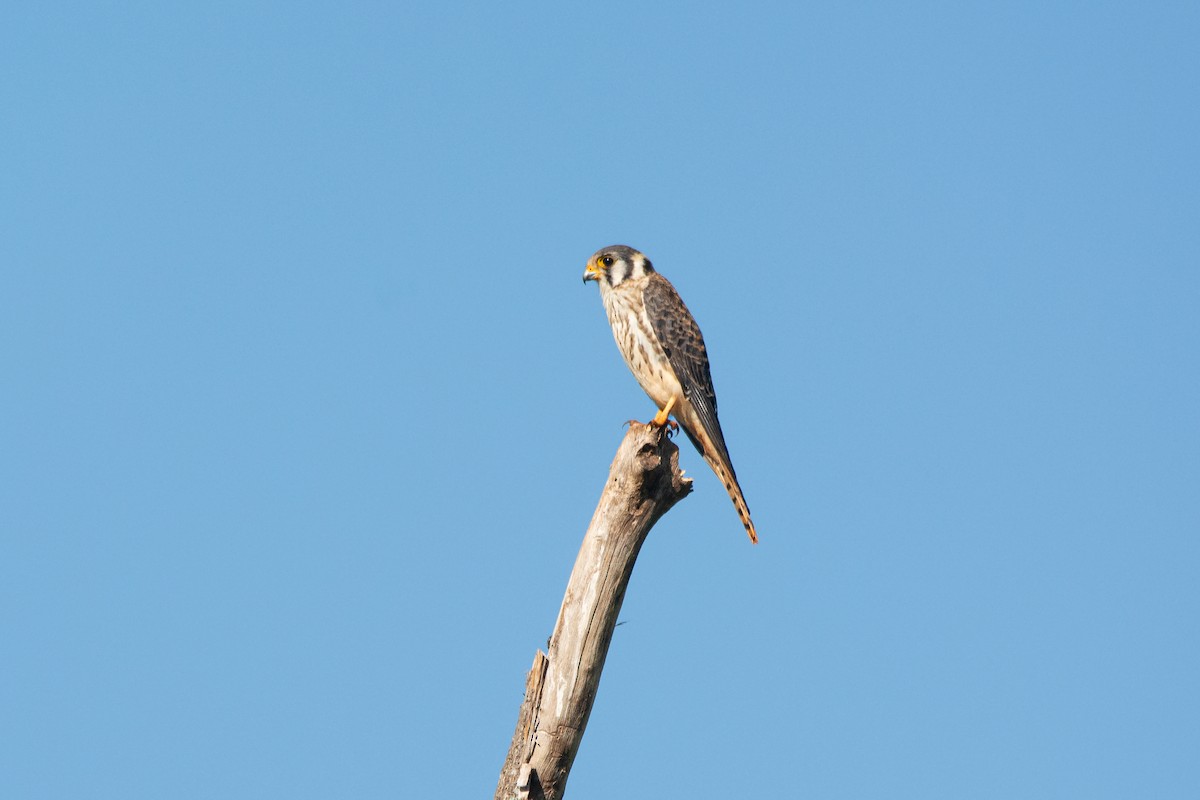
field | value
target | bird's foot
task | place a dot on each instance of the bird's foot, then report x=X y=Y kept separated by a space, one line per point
x=670 y=427
x=663 y=415
x=663 y=418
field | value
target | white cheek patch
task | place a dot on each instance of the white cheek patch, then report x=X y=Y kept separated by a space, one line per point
x=638 y=267
x=617 y=272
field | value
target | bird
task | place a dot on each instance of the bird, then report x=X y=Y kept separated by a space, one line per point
x=663 y=347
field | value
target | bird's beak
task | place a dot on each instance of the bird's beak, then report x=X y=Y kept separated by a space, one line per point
x=592 y=272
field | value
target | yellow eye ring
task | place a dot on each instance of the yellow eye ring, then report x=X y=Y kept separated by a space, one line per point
x=606 y=261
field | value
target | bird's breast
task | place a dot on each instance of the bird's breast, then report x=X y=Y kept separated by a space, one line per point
x=640 y=347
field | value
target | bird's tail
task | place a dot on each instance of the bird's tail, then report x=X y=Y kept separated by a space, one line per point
x=727 y=477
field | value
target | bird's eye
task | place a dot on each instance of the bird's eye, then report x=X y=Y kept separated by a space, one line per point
x=607 y=261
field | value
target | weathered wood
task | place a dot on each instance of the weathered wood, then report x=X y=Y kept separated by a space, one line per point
x=644 y=482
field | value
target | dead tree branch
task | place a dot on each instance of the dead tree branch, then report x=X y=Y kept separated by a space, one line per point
x=644 y=482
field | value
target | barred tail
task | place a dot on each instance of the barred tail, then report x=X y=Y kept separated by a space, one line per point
x=725 y=473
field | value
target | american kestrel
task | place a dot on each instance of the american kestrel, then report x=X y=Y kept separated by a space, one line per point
x=662 y=345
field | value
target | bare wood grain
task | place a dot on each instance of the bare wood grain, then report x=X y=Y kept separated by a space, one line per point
x=644 y=482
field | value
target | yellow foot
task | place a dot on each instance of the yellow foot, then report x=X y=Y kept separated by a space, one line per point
x=663 y=417
x=660 y=418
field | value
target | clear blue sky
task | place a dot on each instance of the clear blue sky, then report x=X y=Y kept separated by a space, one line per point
x=305 y=408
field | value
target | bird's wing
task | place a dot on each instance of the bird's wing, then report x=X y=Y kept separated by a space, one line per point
x=680 y=337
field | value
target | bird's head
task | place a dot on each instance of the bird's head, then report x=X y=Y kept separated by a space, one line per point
x=611 y=266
